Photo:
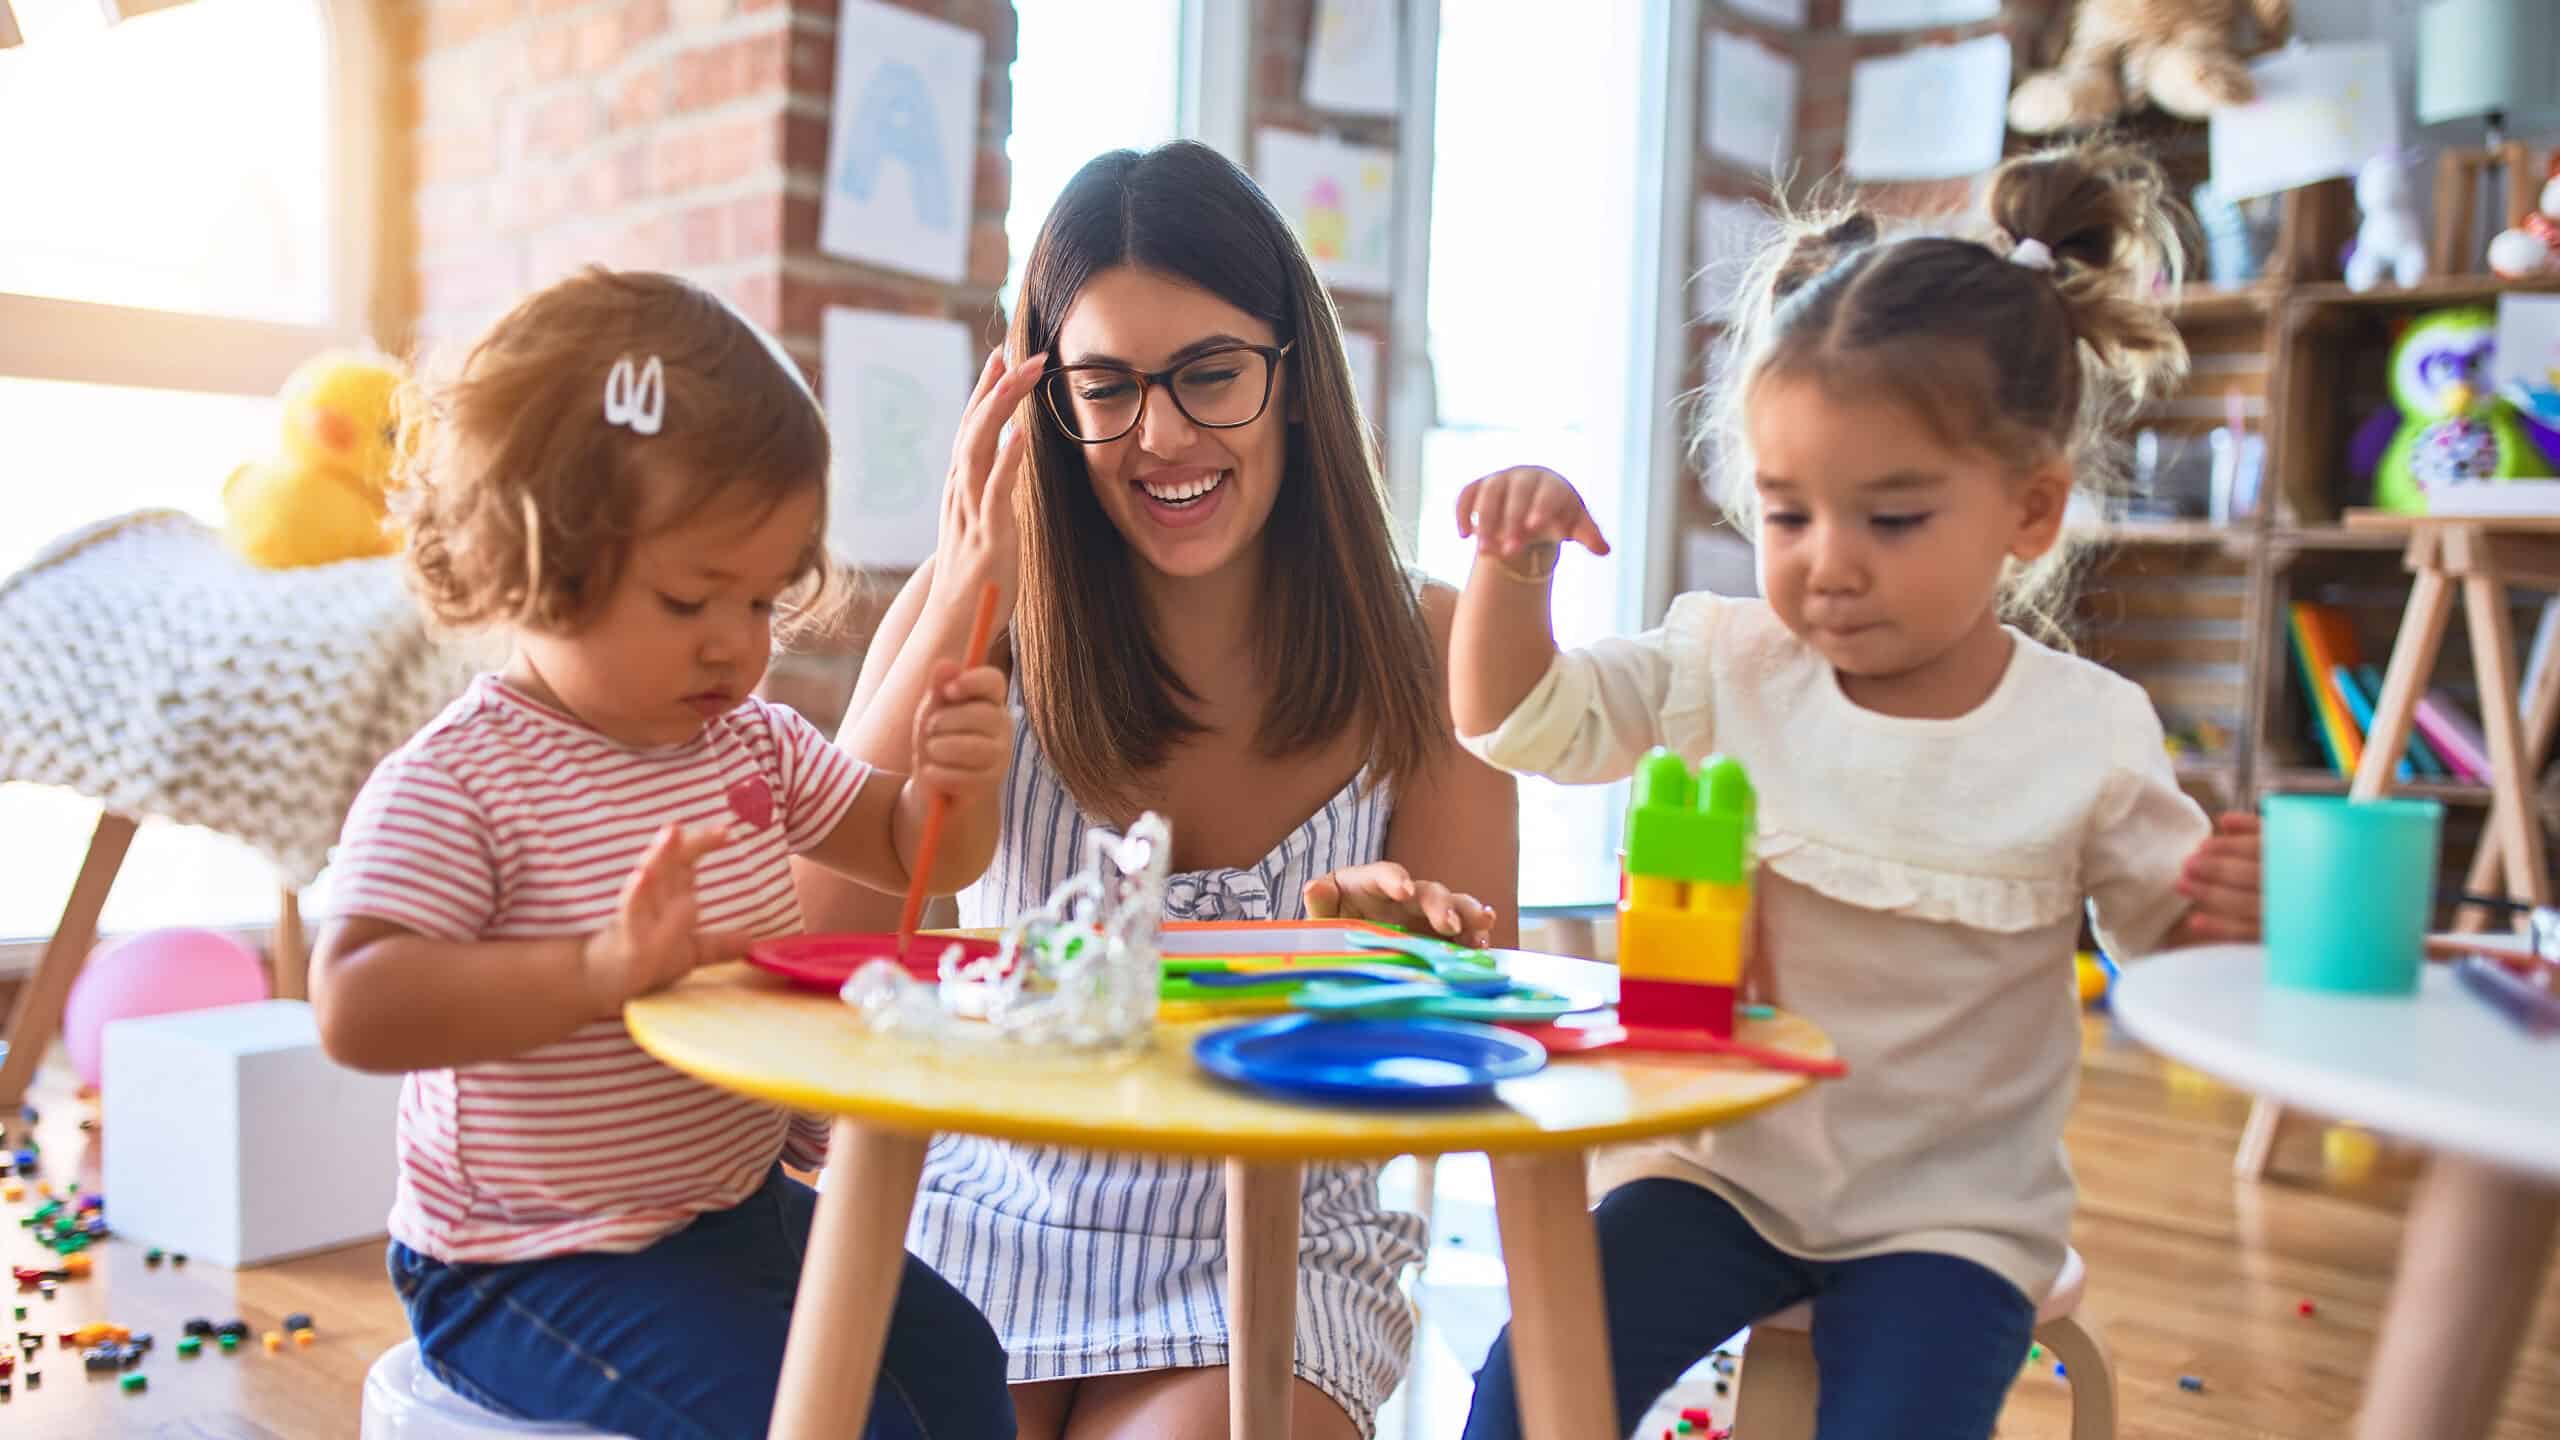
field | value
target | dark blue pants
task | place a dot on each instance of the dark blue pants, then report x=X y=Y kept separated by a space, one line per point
x=1910 y=1346
x=683 y=1340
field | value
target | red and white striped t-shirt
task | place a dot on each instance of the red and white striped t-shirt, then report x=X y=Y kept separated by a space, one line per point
x=508 y=820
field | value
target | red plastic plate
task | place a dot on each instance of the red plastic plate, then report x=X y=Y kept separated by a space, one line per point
x=825 y=962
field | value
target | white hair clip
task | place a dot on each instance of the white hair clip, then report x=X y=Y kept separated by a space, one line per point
x=636 y=398
x=2034 y=254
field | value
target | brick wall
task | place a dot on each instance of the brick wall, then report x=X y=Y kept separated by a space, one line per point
x=679 y=135
x=1824 y=54
x=1281 y=31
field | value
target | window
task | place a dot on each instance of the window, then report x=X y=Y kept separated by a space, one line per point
x=1539 y=203
x=1083 y=85
x=195 y=220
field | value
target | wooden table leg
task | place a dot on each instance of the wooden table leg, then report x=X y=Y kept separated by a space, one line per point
x=2471 y=1265
x=2413 y=660
x=2488 y=861
x=2493 y=663
x=288 y=952
x=1262 y=1296
x=1559 y=1327
x=857 y=1253
x=40 y=998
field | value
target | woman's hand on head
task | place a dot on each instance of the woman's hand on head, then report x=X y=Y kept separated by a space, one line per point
x=980 y=540
x=1386 y=893
x=654 y=938
x=1512 y=510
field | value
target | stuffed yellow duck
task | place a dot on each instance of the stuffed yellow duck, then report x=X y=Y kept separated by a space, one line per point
x=321 y=498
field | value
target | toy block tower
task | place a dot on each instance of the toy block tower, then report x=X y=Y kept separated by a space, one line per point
x=1690 y=852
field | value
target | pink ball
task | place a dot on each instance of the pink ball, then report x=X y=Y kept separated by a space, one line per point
x=157 y=972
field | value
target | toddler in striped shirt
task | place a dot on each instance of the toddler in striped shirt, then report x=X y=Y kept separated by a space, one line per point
x=629 y=479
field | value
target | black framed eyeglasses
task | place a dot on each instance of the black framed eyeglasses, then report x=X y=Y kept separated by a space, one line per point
x=1221 y=389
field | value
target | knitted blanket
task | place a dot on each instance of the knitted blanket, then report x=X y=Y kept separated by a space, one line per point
x=145 y=666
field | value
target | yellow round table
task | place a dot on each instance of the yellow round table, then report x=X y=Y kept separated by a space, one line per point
x=746 y=1031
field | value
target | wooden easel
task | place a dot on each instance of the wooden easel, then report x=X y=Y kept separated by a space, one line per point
x=2480 y=558
x=38 y=1013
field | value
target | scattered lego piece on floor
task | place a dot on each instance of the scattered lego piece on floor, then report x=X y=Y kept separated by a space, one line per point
x=299 y=1320
x=2191 y=1384
x=302 y=1338
x=190 y=1344
x=2306 y=1309
x=136 y=1382
x=198 y=1326
x=152 y=1257
x=273 y=1340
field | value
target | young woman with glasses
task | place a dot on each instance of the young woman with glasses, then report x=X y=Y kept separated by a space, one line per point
x=1208 y=620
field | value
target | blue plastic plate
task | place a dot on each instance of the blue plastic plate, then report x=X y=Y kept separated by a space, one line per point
x=1372 y=1062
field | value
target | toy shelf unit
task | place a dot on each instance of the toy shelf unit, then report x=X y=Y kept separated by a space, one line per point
x=2208 y=613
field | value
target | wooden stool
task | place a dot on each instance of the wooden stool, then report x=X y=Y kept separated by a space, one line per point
x=1774 y=1400
x=2481 y=557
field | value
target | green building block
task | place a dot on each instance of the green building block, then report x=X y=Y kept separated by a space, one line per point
x=135 y=1381
x=1695 y=827
x=190 y=1344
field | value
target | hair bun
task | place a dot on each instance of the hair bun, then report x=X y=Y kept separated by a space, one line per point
x=1817 y=250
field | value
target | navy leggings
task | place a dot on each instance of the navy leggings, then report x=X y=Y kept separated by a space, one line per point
x=1911 y=1346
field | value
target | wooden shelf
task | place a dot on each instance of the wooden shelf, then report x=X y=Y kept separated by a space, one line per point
x=2205 y=767
x=2326 y=782
x=2224 y=304
x=2161 y=532
x=2440 y=290
x=2338 y=537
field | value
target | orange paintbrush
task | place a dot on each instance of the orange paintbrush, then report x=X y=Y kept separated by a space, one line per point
x=981 y=630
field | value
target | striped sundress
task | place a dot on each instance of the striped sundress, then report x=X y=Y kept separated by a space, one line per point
x=1101 y=1264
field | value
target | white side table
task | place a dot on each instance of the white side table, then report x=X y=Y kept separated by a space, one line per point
x=2439 y=1069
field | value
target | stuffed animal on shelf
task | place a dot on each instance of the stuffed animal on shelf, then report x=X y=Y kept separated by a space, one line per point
x=2532 y=246
x=2177 y=54
x=2388 y=238
x=2454 y=430
x=323 y=496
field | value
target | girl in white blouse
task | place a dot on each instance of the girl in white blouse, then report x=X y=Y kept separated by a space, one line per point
x=1940 y=793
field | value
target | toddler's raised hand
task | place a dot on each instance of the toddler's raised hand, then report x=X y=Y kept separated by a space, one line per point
x=963 y=739
x=1528 y=505
x=654 y=939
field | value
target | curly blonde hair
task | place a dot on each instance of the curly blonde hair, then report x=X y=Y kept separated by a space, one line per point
x=522 y=501
x=2024 y=364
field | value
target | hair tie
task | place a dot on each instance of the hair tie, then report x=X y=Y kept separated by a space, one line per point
x=636 y=397
x=2033 y=254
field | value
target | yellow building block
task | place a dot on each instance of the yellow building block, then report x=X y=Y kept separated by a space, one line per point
x=1703 y=949
x=1652 y=892
x=1712 y=899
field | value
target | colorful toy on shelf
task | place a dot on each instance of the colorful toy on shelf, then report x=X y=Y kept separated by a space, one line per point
x=1682 y=926
x=2454 y=429
x=2389 y=238
x=2531 y=246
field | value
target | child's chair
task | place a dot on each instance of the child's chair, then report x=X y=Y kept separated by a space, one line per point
x=403 y=1402
x=1775 y=1398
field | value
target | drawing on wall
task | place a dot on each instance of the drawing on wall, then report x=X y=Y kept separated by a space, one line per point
x=1963 y=88
x=901 y=160
x=1750 y=102
x=1872 y=15
x=2321 y=112
x=1361 y=351
x=1731 y=234
x=1340 y=198
x=1352 y=56
x=895 y=389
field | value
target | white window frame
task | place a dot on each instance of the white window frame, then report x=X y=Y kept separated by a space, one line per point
x=45 y=338
x=1214 y=93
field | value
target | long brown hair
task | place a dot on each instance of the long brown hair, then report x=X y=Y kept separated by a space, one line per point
x=522 y=500
x=1337 y=630
x=2025 y=362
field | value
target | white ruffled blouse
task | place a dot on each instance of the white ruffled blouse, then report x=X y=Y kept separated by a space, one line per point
x=1921 y=890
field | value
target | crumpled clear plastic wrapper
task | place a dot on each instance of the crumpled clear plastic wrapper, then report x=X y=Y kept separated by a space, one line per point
x=1084 y=971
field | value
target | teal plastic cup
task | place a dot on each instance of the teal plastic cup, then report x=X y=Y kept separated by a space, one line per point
x=2349 y=888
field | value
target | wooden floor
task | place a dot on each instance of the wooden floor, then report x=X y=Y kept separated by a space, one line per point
x=2191 y=1274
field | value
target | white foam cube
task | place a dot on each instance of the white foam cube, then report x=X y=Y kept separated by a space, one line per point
x=229 y=1137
